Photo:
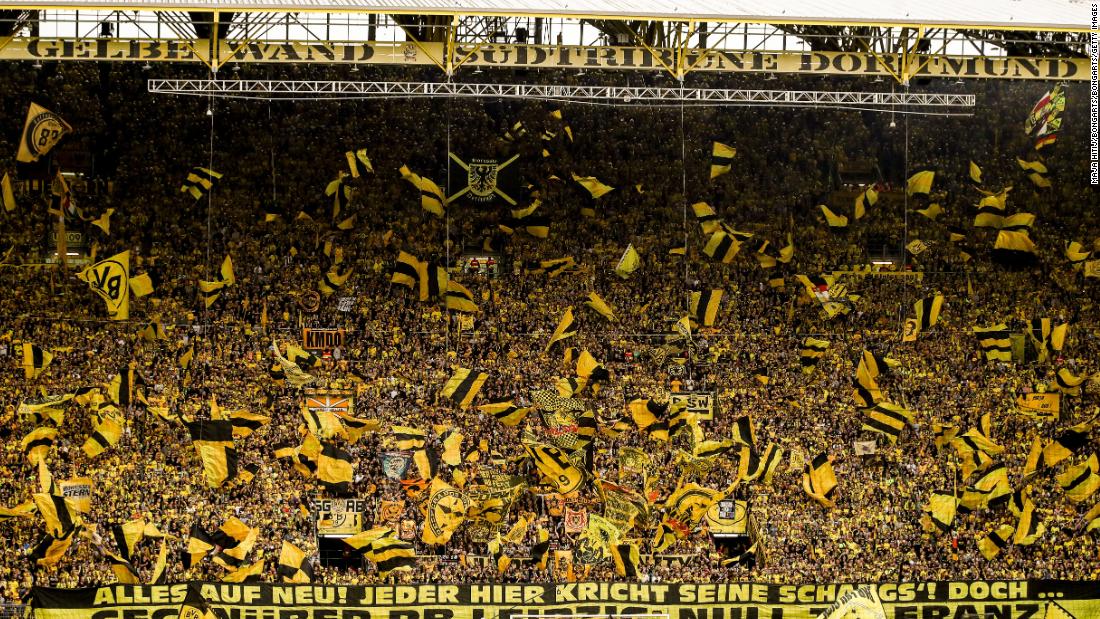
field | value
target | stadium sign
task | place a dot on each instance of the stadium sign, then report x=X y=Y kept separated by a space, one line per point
x=1031 y=599
x=322 y=340
x=703 y=404
x=545 y=57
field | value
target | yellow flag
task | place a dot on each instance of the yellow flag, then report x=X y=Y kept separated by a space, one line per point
x=41 y=132
x=9 y=193
x=110 y=280
x=629 y=262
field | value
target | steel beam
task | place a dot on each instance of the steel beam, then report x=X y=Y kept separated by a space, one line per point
x=293 y=89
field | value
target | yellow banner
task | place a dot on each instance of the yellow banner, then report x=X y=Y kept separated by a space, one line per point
x=907 y=600
x=1042 y=405
x=79 y=490
x=546 y=57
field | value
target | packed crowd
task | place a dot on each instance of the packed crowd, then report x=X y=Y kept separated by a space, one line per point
x=276 y=158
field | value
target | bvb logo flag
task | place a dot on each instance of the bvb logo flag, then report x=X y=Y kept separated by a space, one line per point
x=110 y=279
x=486 y=180
x=42 y=131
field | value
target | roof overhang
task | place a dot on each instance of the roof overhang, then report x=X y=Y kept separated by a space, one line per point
x=1043 y=15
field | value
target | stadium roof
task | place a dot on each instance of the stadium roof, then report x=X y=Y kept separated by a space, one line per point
x=980 y=14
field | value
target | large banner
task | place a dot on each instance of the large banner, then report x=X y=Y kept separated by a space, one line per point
x=545 y=57
x=1033 y=599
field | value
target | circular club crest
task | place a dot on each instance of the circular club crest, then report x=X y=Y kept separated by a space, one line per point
x=446 y=509
x=43 y=131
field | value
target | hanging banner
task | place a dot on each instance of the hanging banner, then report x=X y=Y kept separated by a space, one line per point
x=339 y=517
x=907 y=600
x=79 y=489
x=703 y=404
x=322 y=341
x=546 y=57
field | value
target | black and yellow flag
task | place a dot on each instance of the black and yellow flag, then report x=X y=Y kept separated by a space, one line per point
x=236 y=540
x=565 y=328
x=834 y=220
x=199 y=544
x=506 y=412
x=753 y=465
x=444 y=512
x=249 y=573
x=1047 y=337
x=106 y=431
x=199 y=181
x=245 y=423
x=939 y=512
x=721 y=159
x=703 y=306
x=127 y=535
x=110 y=279
x=1067 y=383
x=989 y=489
x=1078 y=482
x=1014 y=246
x=1029 y=527
x=458 y=298
x=722 y=246
x=708 y=220
x=993 y=542
x=819 y=480
x=409 y=439
x=556 y=467
x=541 y=549
x=35 y=360
x=213 y=442
x=994 y=342
x=625 y=556
x=50 y=549
x=650 y=416
x=868 y=198
x=37 y=444
x=124 y=390
x=595 y=188
x=333 y=280
x=812 y=351
x=433 y=280
x=887 y=419
x=334 y=468
x=743 y=432
x=294 y=565
x=463 y=386
x=42 y=130
x=59 y=513
x=407 y=271
x=431 y=196
x=927 y=312
x=358 y=163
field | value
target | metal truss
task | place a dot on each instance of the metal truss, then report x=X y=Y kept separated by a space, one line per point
x=310 y=89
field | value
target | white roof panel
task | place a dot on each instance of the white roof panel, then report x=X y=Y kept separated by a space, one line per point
x=988 y=14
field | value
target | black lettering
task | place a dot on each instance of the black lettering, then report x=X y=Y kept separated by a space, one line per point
x=935 y=612
x=997 y=611
x=438 y=613
x=966 y=611
x=324 y=613
x=404 y=614
x=905 y=612
x=1026 y=611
